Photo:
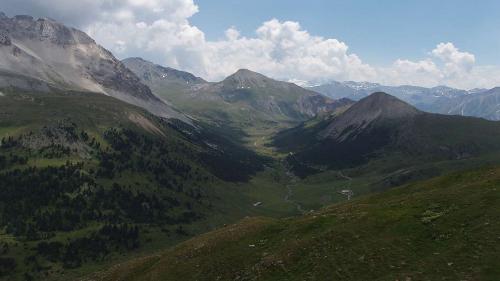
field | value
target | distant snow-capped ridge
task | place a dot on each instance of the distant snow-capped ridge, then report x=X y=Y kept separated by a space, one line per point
x=439 y=99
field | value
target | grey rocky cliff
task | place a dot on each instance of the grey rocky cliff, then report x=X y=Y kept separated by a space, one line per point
x=67 y=58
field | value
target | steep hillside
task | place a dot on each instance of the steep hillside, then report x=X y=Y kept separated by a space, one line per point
x=43 y=54
x=441 y=229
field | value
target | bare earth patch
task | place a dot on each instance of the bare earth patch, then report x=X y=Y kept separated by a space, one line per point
x=145 y=124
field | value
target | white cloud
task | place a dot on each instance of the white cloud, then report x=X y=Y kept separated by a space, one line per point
x=279 y=49
x=84 y=12
x=456 y=63
x=160 y=30
x=282 y=50
x=446 y=65
x=232 y=34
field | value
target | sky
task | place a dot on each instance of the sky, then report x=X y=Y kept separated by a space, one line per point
x=418 y=42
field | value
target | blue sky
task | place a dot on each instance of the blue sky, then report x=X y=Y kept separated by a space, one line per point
x=416 y=42
x=381 y=31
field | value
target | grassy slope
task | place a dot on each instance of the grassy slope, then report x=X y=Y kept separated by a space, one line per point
x=25 y=112
x=440 y=229
x=91 y=111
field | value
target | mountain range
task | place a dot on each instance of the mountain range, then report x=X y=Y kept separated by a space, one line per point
x=129 y=170
x=441 y=99
x=246 y=100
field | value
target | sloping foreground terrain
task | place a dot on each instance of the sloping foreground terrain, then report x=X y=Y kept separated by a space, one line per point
x=446 y=228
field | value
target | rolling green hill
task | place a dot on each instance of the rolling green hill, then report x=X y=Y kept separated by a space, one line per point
x=440 y=229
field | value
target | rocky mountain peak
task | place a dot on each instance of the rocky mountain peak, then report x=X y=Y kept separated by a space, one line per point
x=243 y=72
x=244 y=78
x=378 y=107
x=44 y=29
x=384 y=105
x=66 y=58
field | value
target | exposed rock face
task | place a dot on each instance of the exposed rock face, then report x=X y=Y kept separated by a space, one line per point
x=378 y=107
x=44 y=29
x=16 y=81
x=67 y=58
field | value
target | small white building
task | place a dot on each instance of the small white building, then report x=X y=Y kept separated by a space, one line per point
x=347 y=192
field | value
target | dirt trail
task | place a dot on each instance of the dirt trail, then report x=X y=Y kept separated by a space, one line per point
x=291 y=181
